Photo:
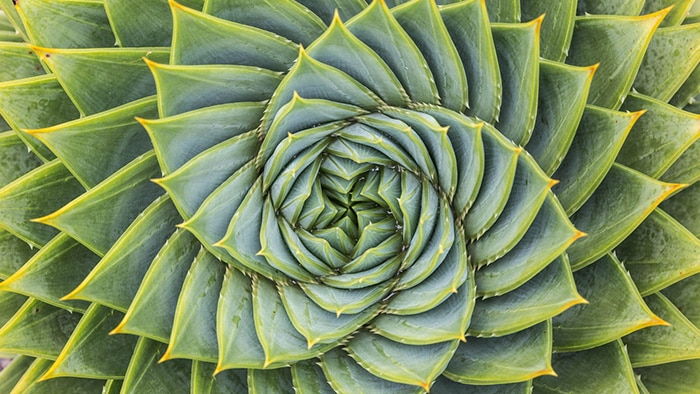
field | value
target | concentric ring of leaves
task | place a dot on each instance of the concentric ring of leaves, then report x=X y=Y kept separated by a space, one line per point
x=364 y=192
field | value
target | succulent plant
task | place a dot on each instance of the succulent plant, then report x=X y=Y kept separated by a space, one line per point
x=350 y=196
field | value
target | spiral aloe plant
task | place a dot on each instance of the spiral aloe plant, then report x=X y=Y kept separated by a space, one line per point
x=350 y=196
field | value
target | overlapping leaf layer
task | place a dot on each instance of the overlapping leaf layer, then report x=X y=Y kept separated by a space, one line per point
x=349 y=196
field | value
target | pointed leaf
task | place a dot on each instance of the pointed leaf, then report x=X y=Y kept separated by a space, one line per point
x=186 y=88
x=15 y=253
x=663 y=344
x=598 y=140
x=152 y=310
x=562 y=98
x=660 y=252
x=308 y=378
x=557 y=27
x=31 y=382
x=379 y=29
x=38 y=330
x=33 y=195
x=146 y=375
x=203 y=39
x=618 y=44
x=350 y=301
x=615 y=308
x=91 y=352
x=97 y=218
x=98 y=80
x=548 y=294
x=417 y=365
x=598 y=370
x=345 y=375
x=509 y=359
x=518 y=50
x=678 y=377
x=285 y=17
x=194 y=324
x=112 y=138
x=621 y=213
x=204 y=381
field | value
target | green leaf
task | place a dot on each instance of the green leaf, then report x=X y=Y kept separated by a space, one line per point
x=186 y=88
x=686 y=169
x=35 y=194
x=281 y=342
x=146 y=375
x=548 y=294
x=71 y=24
x=298 y=117
x=98 y=80
x=688 y=90
x=615 y=308
x=337 y=47
x=557 y=26
x=622 y=7
x=98 y=217
x=598 y=140
x=54 y=271
x=262 y=381
x=116 y=278
x=91 y=352
x=500 y=164
x=326 y=9
x=665 y=68
x=18 y=61
x=422 y=21
x=618 y=44
x=192 y=183
x=684 y=208
x=350 y=301
x=316 y=324
x=609 y=217
x=518 y=50
x=199 y=38
x=445 y=322
x=678 y=377
x=528 y=192
x=647 y=149
x=10 y=303
x=417 y=365
x=178 y=139
x=513 y=358
x=15 y=253
x=204 y=381
x=11 y=374
x=562 y=98
x=15 y=161
x=31 y=382
x=237 y=218
x=239 y=346
x=379 y=29
x=194 y=325
x=444 y=385
x=345 y=375
x=466 y=140
x=684 y=296
x=660 y=252
x=312 y=79
x=548 y=237
x=663 y=344
x=21 y=111
x=504 y=11
x=38 y=330
x=138 y=23
x=112 y=138
x=601 y=369
x=437 y=287
x=308 y=378
x=152 y=310
x=284 y=17
x=468 y=25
